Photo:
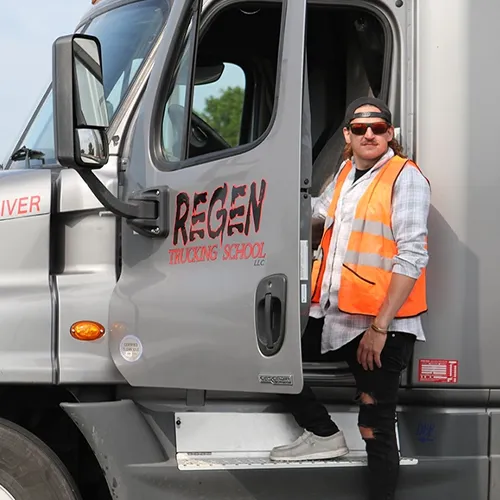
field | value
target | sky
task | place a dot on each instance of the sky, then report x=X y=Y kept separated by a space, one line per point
x=27 y=30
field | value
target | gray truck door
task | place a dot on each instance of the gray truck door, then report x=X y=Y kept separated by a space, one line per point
x=217 y=305
x=27 y=339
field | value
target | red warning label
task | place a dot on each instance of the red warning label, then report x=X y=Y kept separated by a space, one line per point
x=438 y=370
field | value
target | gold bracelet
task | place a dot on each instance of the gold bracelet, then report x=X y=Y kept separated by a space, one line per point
x=377 y=329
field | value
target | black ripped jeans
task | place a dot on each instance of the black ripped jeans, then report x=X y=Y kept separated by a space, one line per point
x=381 y=385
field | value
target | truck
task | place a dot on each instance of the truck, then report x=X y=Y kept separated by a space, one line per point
x=155 y=261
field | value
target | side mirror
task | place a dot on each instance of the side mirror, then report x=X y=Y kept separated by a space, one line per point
x=208 y=74
x=81 y=142
x=80 y=110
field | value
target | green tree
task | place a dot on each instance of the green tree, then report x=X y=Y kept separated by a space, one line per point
x=223 y=113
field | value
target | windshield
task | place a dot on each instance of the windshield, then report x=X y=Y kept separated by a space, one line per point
x=126 y=34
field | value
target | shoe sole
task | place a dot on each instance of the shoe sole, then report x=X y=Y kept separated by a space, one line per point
x=325 y=455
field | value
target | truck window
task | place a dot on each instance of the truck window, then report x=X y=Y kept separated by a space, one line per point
x=231 y=78
x=127 y=34
x=220 y=103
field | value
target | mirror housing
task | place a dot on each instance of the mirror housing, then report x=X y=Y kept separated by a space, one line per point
x=81 y=142
x=208 y=74
x=80 y=110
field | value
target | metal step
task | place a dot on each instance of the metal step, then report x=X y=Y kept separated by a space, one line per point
x=244 y=461
x=240 y=441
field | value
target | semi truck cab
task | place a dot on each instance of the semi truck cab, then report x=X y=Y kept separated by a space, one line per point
x=155 y=216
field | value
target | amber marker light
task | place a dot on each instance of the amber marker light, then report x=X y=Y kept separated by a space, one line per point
x=87 y=331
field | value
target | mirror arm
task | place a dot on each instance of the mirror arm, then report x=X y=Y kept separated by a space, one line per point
x=115 y=205
x=147 y=215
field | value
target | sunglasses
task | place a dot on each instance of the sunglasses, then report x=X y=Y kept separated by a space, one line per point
x=378 y=128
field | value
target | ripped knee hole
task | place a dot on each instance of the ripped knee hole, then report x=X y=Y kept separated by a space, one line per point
x=366 y=399
x=366 y=432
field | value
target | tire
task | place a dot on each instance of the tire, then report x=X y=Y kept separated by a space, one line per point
x=29 y=469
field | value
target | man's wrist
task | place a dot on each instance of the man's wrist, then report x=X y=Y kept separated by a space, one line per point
x=379 y=329
x=382 y=321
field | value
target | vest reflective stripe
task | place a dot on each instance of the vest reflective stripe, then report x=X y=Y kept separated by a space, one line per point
x=368 y=263
x=368 y=259
x=368 y=243
x=376 y=228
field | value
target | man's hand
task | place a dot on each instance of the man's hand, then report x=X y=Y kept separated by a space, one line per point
x=317 y=231
x=370 y=348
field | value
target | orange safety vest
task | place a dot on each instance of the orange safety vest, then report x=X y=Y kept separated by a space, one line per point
x=367 y=267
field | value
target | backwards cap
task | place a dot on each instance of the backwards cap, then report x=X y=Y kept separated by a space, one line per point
x=385 y=112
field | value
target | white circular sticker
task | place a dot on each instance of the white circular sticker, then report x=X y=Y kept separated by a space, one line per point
x=131 y=348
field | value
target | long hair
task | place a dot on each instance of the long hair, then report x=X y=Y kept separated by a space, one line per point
x=394 y=144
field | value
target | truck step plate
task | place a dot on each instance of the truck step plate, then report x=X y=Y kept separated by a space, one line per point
x=187 y=461
x=239 y=441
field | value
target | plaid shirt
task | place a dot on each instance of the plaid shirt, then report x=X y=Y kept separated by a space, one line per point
x=410 y=209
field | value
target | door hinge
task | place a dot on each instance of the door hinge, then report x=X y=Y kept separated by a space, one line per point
x=153 y=218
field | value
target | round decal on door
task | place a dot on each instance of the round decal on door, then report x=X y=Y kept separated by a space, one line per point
x=131 y=348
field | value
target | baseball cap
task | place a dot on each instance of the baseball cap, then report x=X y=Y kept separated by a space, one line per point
x=385 y=112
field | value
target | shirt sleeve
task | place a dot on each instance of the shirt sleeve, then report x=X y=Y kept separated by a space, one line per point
x=410 y=210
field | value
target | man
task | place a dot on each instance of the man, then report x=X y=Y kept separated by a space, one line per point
x=368 y=291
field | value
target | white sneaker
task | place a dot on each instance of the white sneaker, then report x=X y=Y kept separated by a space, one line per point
x=311 y=447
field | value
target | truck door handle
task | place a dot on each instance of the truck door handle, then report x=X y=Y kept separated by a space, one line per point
x=270 y=310
x=268 y=320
